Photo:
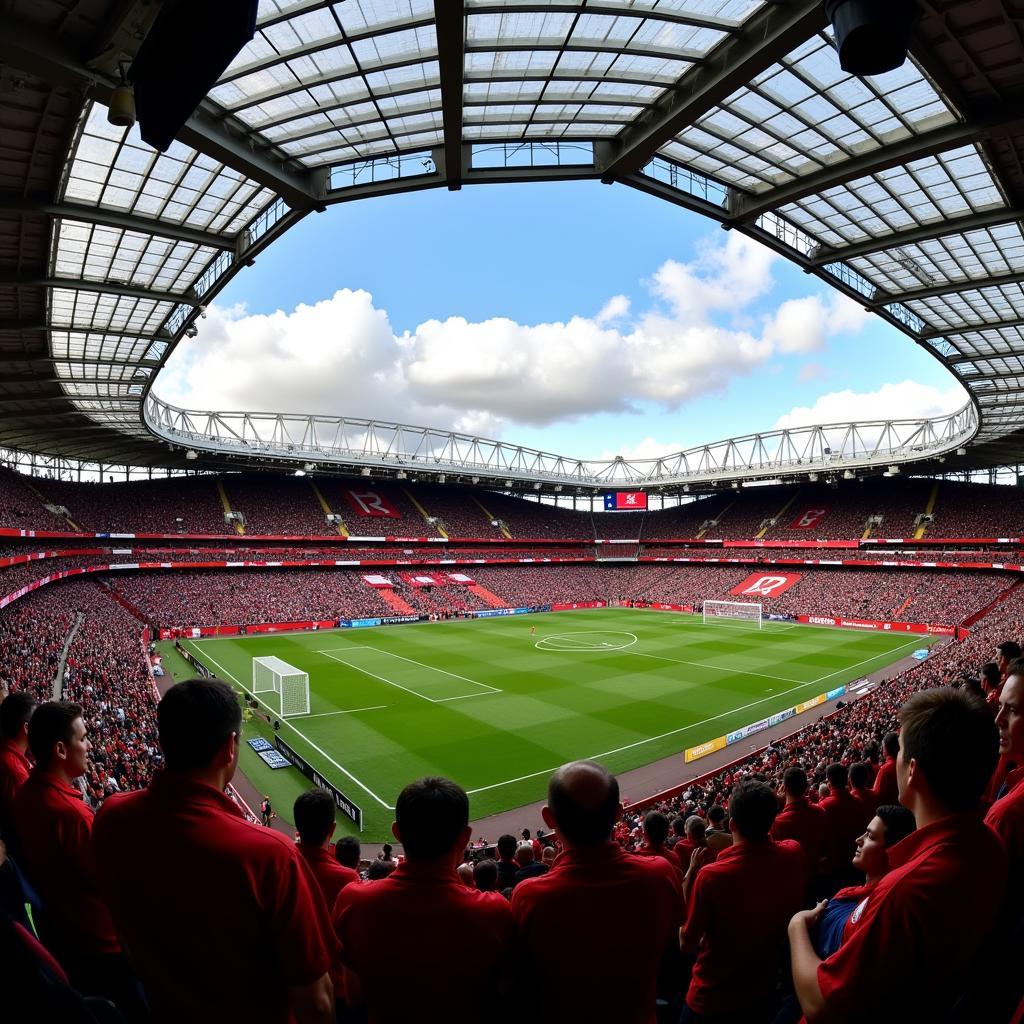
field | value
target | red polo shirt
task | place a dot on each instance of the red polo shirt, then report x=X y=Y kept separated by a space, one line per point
x=660 y=851
x=594 y=929
x=684 y=851
x=933 y=909
x=423 y=945
x=54 y=830
x=868 y=800
x=844 y=814
x=220 y=916
x=14 y=770
x=331 y=876
x=1006 y=818
x=805 y=823
x=886 y=788
x=740 y=907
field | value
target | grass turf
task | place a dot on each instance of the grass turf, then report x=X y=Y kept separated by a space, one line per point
x=497 y=709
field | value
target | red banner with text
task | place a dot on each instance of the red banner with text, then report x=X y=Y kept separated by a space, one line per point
x=761 y=584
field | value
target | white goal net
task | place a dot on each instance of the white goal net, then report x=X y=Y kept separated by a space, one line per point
x=747 y=611
x=272 y=675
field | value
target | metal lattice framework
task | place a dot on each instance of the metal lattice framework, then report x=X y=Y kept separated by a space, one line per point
x=904 y=192
x=333 y=442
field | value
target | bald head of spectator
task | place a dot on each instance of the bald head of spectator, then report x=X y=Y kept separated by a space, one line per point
x=524 y=854
x=548 y=856
x=583 y=804
x=432 y=820
x=15 y=712
x=348 y=852
x=752 y=811
x=199 y=722
x=465 y=870
x=696 y=829
x=485 y=875
x=948 y=751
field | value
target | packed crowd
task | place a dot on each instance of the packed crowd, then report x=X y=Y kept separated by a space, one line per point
x=283 y=505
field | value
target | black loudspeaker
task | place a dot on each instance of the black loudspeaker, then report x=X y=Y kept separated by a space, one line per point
x=186 y=51
x=871 y=35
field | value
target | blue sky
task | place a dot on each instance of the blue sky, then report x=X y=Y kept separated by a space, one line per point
x=579 y=318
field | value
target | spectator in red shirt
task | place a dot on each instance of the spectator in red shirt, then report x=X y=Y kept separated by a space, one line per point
x=860 y=777
x=315 y=822
x=845 y=817
x=1006 y=654
x=1006 y=815
x=656 y=832
x=991 y=681
x=15 y=712
x=718 y=835
x=53 y=827
x=801 y=821
x=694 y=838
x=595 y=927
x=214 y=898
x=738 y=911
x=910 y=943
x=886 y=788
x=420 y=945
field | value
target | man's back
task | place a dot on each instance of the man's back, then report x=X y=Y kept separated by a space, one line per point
x=424 y=946
x=220 y=916
x=886 y=787
x=53 y=828
x=738 y=913
x=331 y=876
x=14 y=772
x=594 y=930
x=844 y=814
x=807 y=826
x=908 y=946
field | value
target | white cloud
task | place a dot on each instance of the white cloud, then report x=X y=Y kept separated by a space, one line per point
x=905 y=400
x=341 y=355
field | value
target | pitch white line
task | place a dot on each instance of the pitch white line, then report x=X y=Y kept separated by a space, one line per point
x=693 y=725
x=350 y=711
x=284 y=721
x=418 y=664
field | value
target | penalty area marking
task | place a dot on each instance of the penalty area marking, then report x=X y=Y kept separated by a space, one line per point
x=569 y=641
x=349 y=711
x=285 y=722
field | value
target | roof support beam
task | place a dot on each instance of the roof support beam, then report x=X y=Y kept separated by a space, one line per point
x=923 y=233
x=450 y=22
x=104 y=287
x=27 y=49
x=114 y=219
x=777 y=30
x=992 y=325
x=1007 y=120
x=946 y=288
x=45 y=362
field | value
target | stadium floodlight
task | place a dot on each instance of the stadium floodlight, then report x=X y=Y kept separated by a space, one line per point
x=848 y=474
x=894 y=470
x=365 y=471
x=508 y=483
x=441 y=478
x=746 y=611
x=308 y=467
x=272 y=675
x=961 y=451
x=191 y=455
x=812 y=477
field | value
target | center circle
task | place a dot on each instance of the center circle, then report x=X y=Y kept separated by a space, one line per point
x=587 y=641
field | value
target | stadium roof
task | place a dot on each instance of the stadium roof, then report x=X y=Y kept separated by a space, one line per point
x=905 y=192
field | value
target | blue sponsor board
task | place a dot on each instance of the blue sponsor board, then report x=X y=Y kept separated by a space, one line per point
x=837 y=692
x=491 y=613
x=747 y=730
x=274 y=760
x=259 y=744
x=921 y=655
x=355 y=623
x=780 y=717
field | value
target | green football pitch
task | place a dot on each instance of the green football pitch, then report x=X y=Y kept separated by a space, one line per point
x=496 y=708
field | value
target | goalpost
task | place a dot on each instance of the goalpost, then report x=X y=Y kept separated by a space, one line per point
x=272 y=675
x=748 y=611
